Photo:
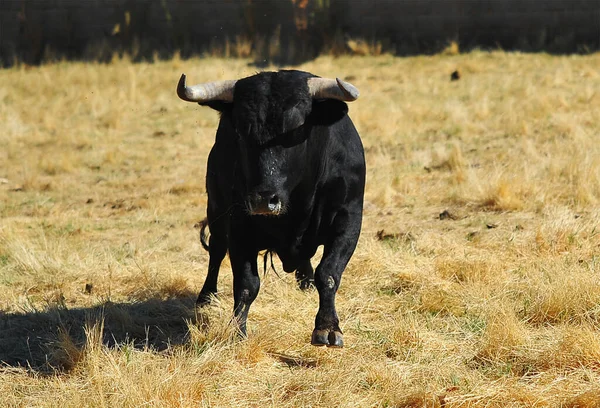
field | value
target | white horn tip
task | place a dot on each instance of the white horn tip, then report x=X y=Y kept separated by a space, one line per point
x=349 y=90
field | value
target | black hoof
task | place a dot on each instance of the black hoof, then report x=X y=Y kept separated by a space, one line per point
x=327 y=338
x=319 y=337
x=241 y=335
x=306 y=284
x=335 y=339
x=204 y=299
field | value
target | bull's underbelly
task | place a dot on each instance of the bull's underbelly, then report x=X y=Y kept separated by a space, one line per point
x=291 y=261
x=292 y=251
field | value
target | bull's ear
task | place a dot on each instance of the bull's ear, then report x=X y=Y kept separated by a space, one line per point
x=217 y=105
x=328 y=111
x=292 y=119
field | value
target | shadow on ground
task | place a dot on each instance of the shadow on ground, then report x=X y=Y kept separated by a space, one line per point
x=39 y=340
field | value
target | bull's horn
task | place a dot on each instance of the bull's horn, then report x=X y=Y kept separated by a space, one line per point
x=325 y=88
x=210 y=91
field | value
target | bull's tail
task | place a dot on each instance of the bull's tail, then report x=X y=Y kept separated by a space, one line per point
x=203 y=234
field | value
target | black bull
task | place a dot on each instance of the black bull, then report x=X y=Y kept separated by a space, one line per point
x=286 y=174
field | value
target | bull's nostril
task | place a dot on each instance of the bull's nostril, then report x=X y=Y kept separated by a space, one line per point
x=265 y=203
x=274 y=203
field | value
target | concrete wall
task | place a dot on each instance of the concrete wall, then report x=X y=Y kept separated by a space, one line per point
x=287 y=30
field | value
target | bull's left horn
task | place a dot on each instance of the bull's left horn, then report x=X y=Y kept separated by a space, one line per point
x=326 y=88
x=210 y=91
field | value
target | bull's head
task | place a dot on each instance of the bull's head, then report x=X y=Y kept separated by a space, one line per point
x=266 y=115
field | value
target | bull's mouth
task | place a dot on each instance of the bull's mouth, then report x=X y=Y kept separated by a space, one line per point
x=266 y=213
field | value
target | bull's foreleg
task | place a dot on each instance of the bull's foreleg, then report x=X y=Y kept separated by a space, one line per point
x=328 y=275
x=217 y=251
x=245 y=285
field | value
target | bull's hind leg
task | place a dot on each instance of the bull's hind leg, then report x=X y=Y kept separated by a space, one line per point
x=246 y=284
x=217 y=250
x=305 y=276
x=336 y=255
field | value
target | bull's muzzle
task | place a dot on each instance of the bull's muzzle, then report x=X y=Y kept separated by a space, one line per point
x=265 y=203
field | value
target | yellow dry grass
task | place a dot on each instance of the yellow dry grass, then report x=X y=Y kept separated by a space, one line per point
x=483 y=289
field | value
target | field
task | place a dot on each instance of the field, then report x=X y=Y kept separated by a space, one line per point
x=476 y=281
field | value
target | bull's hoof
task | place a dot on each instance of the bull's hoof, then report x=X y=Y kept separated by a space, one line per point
x=319 y=337
x=335 y=339
x=327 y=338
x=204 y=299
x=306 y=284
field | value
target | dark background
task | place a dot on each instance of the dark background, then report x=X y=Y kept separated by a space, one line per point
x=287 y=31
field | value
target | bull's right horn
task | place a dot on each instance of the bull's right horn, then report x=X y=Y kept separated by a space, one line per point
x=326 y=88
x=210 y=91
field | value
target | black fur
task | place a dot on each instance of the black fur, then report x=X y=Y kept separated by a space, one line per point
x=275 y=140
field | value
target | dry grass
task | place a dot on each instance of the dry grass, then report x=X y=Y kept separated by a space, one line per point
x=481 y=291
